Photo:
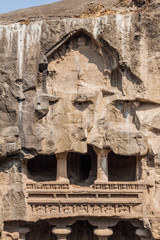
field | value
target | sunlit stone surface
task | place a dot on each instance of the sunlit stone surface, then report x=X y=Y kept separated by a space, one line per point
x=80 y=121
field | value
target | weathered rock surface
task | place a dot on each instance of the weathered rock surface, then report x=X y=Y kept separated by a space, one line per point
x=72 y=76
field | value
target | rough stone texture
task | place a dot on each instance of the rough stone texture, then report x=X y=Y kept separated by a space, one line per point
x=72 y=76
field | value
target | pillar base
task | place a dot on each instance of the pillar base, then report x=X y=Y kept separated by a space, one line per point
x=62 y=180
x=101 y=181
x=103 y=233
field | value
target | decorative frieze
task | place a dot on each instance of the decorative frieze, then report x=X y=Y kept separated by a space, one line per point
x=82 y=209
x=101 y=186
x=54 y=186
x=120 y=186
x=106 y=199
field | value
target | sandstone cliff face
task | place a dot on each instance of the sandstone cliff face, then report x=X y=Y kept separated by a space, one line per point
x=88 y=79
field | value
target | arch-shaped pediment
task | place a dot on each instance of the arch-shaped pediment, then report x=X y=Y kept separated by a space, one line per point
x=80 y=62
x=83 y=33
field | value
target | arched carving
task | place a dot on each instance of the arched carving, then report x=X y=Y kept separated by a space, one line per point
x=80 y=62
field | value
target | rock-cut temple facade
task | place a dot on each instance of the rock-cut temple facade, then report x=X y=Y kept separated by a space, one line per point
x=80 y=121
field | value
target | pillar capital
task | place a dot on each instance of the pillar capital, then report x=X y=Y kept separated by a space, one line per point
x=103 y=233
x=143 y=233
x=61 y=232
x=61 y=223
x=61 y=155
x=101 y=151
x=103 y=223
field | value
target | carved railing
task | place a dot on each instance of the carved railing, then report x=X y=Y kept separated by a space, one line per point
x=57 y=199
x=124 y=186
x=132 y=186
x=53 y=186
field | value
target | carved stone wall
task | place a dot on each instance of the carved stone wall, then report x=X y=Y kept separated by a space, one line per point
x=79 y=122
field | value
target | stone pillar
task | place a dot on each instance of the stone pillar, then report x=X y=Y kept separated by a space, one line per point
x=103 y=233
x=102 y=165
x=61 y=232
x=144 y=169
x=22 y=232
x=143 y=233
x=62 y=167
x=137 y=177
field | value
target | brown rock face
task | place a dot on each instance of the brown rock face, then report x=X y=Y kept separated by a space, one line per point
x=80 y=121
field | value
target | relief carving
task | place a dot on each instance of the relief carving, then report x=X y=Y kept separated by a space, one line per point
x=96 y=209
x=77 y=117
x=55 y=186
x=123 y=208
x=82 y=209
x=53 y=209
x=120 y=186
x=67 y=209
x=109 y=209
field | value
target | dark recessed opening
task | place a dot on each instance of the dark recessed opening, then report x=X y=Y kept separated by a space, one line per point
x=85 y=166
x=43 y=167
x=124 y=230
x=40 y=230
x=82 y=230
x=82 y=168
x=43 y=67
x=121 y=168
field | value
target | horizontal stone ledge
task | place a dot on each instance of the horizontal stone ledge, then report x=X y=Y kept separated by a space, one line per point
x=78 y=201
x=133 y=186
x=83 y=191
x=83 y=194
